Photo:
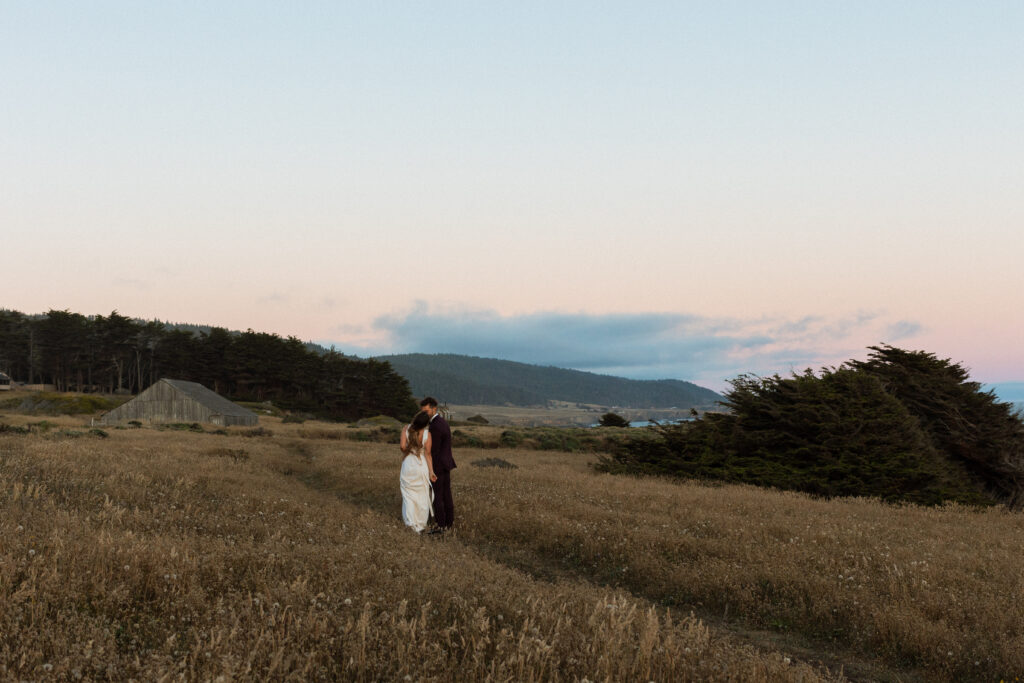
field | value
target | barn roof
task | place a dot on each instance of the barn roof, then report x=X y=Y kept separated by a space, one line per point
x=208 y=398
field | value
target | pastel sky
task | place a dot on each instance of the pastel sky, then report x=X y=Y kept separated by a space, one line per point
x=656 y=189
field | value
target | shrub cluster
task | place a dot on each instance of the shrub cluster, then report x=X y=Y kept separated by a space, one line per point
x=613 y=420
x=382 y=434
x=569 y=439
x=49 y=403
x=903 y=425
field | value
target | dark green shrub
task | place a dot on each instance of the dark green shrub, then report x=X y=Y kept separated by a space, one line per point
x=613 y=420
x=494 y=462
x=571 y=444
x=385 y=434
x=11 y=429
x=510 y=439
x=551 y=440
x=464 y=440
x=183 y=426
x=900 y=426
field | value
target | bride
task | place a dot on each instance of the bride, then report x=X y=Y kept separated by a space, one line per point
x=417 y=473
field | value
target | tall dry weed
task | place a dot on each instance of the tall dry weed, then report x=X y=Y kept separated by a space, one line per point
x=152 y=555
x=934 y=592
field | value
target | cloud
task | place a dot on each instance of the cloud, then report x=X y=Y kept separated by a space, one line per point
x=902 y=330
x=703 y=349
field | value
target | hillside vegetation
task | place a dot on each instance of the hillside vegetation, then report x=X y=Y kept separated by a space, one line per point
x=902 y=426
x=279 y=554
x=114 y=353
x=51 y=403
x=471 y=380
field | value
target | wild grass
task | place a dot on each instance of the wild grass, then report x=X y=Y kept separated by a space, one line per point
x=916 y=591
x=166 y=554
x=182 y=554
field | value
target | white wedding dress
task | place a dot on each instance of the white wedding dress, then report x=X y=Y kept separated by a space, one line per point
x=417 y=494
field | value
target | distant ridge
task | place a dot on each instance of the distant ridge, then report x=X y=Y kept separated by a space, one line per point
x=472 y=380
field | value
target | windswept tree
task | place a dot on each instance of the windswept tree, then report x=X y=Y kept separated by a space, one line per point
x=970 y=425
x=902 y=425
x=613 y=420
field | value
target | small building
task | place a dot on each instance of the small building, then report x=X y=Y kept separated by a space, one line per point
x=5 y=382
x=175 y=400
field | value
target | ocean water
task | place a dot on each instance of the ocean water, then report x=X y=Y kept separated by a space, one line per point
x=648 y=423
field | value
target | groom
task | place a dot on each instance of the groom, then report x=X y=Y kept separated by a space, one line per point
x=441 y=452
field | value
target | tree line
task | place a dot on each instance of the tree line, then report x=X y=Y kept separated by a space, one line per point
x=117 y=354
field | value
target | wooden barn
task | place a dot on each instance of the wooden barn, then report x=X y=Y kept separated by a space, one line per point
x=175 y=400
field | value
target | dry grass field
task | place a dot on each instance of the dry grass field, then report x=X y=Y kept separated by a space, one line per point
x=166 y=555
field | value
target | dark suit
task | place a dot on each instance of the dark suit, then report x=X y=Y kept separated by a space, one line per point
x=444 y=463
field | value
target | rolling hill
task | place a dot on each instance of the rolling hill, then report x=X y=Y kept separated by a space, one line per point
x=472 y=380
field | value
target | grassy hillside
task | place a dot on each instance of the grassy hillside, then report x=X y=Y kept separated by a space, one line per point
x=54 y=403
x=471 y=380
x=279 y=553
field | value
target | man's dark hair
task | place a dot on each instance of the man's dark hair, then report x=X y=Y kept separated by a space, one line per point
x=429 y=401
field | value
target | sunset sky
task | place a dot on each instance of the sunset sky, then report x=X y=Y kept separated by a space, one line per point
x=661 y=189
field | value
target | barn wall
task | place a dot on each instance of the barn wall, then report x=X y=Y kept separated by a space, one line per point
x=163 y=403
x=160 y=403
x=178 y=410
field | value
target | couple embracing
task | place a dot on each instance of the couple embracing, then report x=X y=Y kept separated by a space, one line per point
x=427 y=465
